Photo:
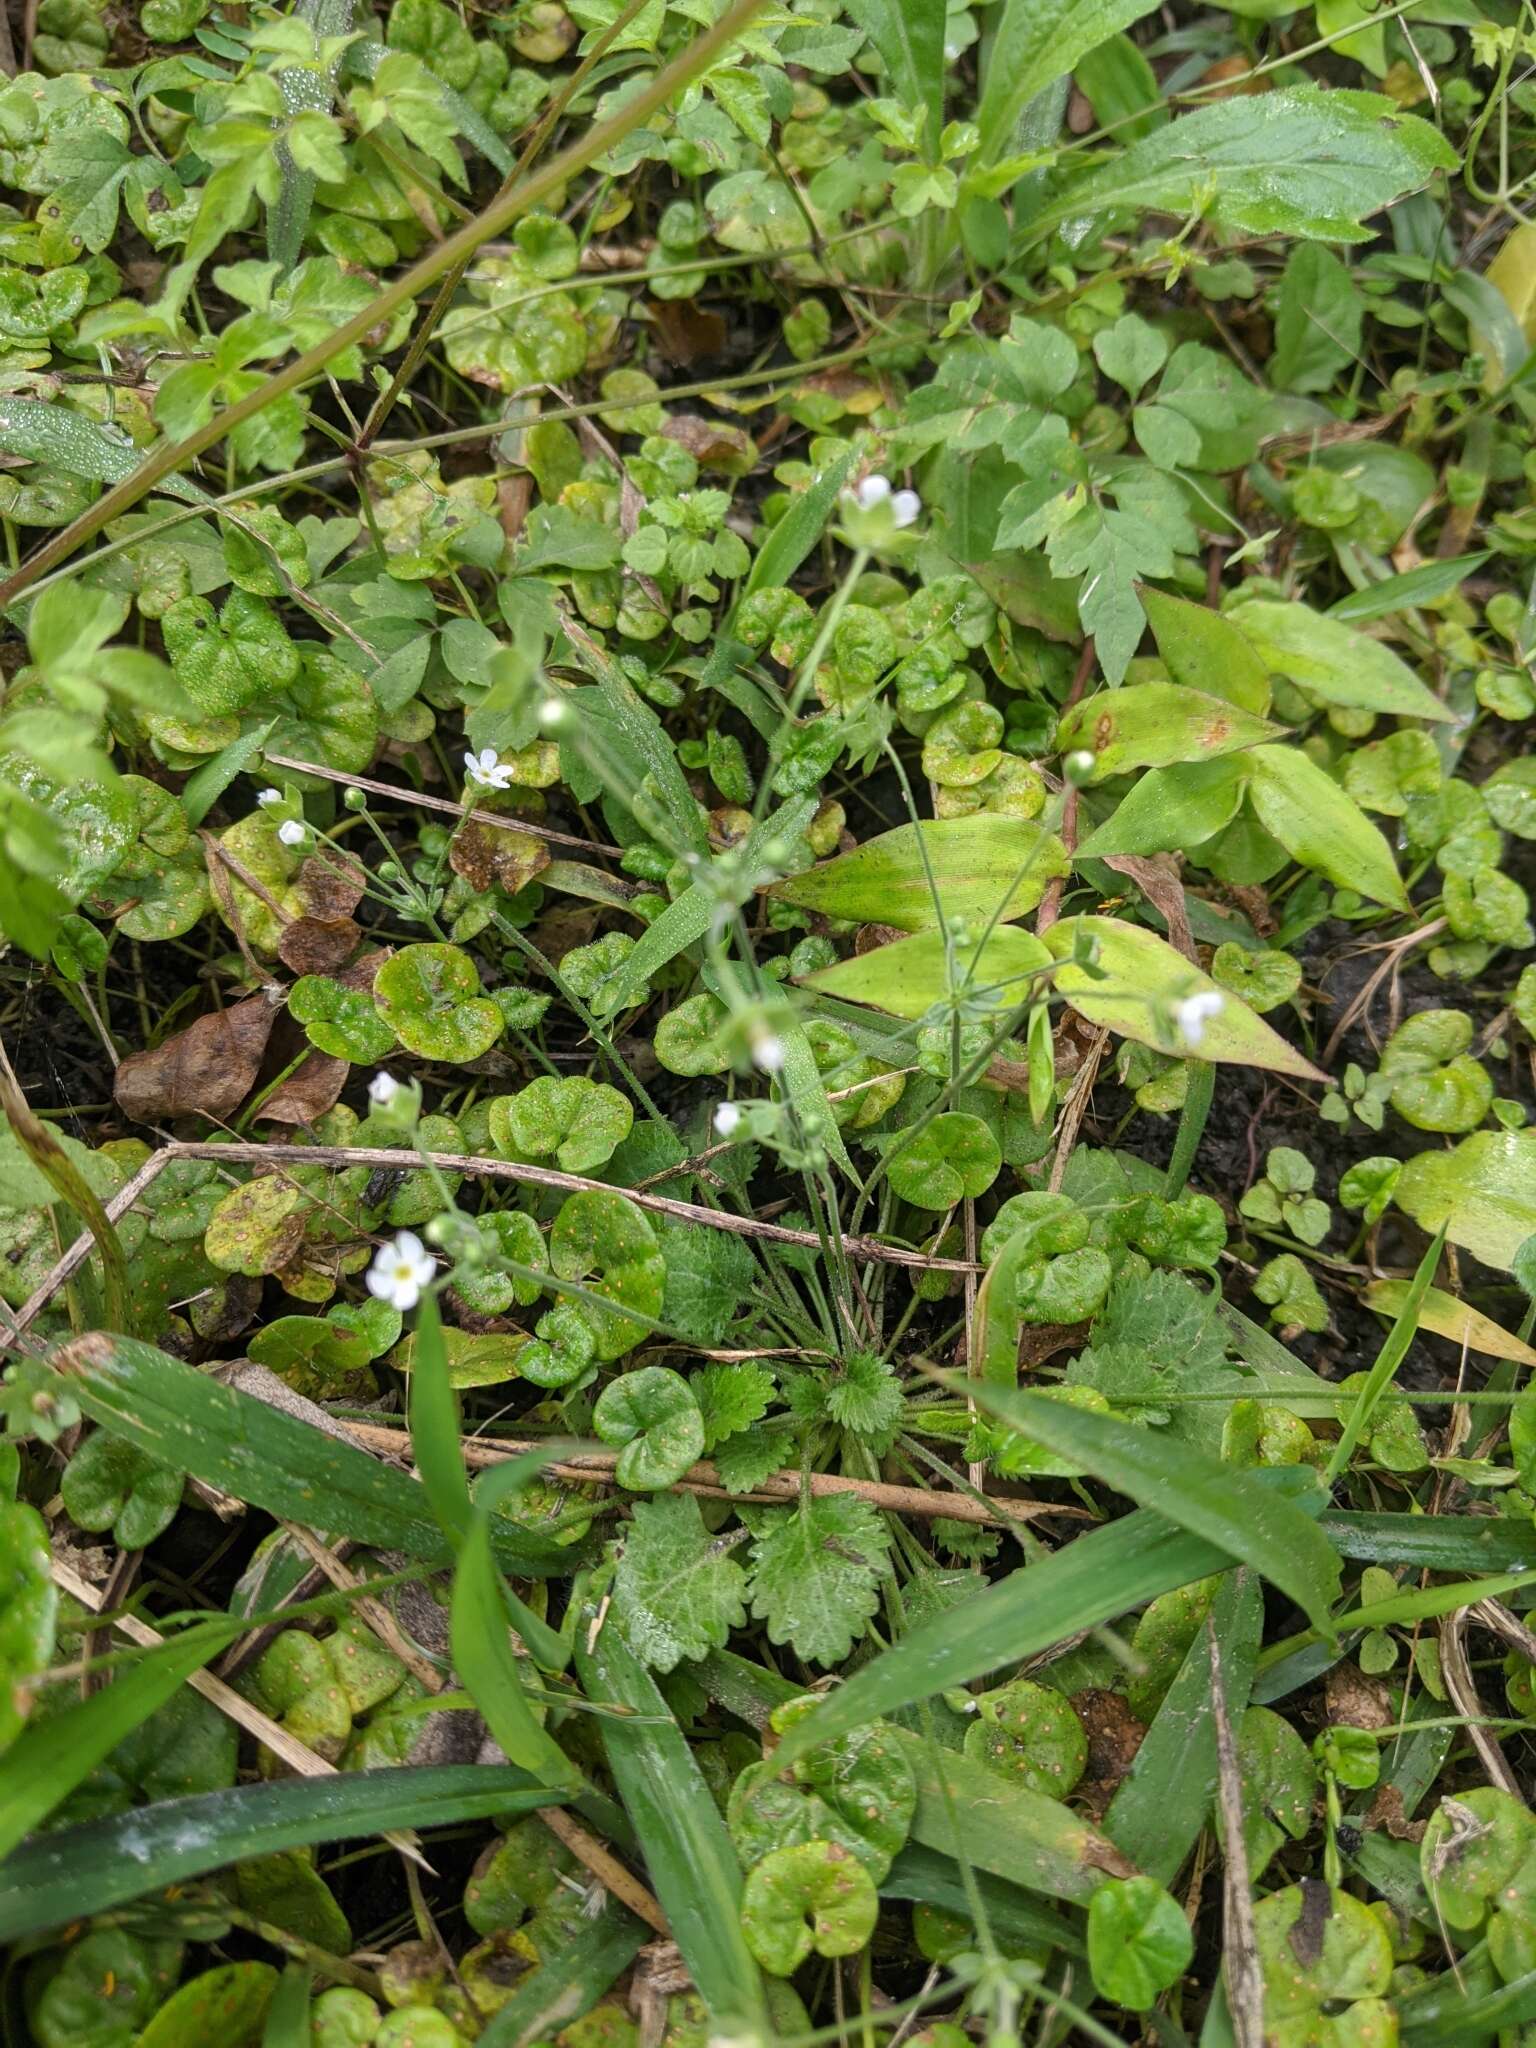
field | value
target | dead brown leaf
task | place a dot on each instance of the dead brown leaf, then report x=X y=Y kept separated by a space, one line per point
x=1156 y=875
x=330 y=888
x=712 y=443
x=497 y=856
x=206 y=1070
x=1114 y=1736
x=317 y=945
x=686 y=331
x=1357 y=1701
x=310 y=1090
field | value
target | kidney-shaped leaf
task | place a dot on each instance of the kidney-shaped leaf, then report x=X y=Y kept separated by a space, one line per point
x=1483 y=1191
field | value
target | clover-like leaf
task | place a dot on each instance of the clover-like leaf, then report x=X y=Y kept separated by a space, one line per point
x=652 y=1415
x=813 y=1896
x=430 y=996
x=227 y=659
x=345 y=1022
x=1058 y=1276
x=604 y=1241
x=111 y=1484
x=1139 y=1942
x=581 y=1122
x=490 y=1291
x=858 y=1791
x=954 y=1156
x=1031 y=1734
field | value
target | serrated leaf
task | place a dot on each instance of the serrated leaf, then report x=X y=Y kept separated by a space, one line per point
x=680 y=1591
x=1035 y=43
x=1301 y=161
x=815 y=1574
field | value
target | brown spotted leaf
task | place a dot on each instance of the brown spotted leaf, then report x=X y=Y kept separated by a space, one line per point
x=496 y=856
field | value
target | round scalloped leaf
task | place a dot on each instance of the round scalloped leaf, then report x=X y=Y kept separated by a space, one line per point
x=228 y=659
x=256 y=1228
x=564 y=1350
x=518 y=1239
x=223 y=2008
x=1139 y=1942
x=295 y=1681
x=101 y=1990
x=653 y=1416
x=1031 y=1734
x=1472 y=1847
x=602 y=1240
x=111 y=1484
x=343 y=2018
x=1351 y=1958
x=688 y=1038
x=858 y=1790
x=29 y=1606
x=954 y=1156
x=329 y=717
x=580 y=1122
x=813 y=1896
x=340 y=1020
x=431 y=995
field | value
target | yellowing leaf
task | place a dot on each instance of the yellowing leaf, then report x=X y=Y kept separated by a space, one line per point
x=980 y=867
x=1137 y=981
x=1483 y=1190
x=1154 y=725
x=908 y=976
x=1448 y=1317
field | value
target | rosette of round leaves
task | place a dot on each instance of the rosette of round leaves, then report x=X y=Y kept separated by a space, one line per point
x=1435 y=1083
x=812 y=1897
x=345 y=2018
x=112 y=1484
x=1059 y=1277
x=1031 y=1734
x=430 y=995
x=857 y=1791
x=28 y=1613
x=1339 y=1957
x=1283 y=1199
x=100 y=1989
x=652 y=1416
x=952 y=1157
x=1473 y=1847
x=227 y=659
x=580 y=1123
x=319 y=1689
x=601 y=1239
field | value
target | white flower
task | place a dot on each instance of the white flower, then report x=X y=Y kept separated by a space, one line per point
x=873 y=491
x=268 y=797
x=768 y=1052
x=552 y=713
x=1190 y=1015
x=905 y=507
x=383 y=1089
x=727 y=1117
x=485 y=769
x=400 y=1270
x=292 y=832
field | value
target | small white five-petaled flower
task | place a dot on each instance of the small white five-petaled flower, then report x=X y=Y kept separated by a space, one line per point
x=727 y=1117
x=383 y=1089
x=1190 y=1015
x=768 y=1052
x=292 y=832
x=485 y=769
x=400 y=1270
x=268 y=797
x=876 y=490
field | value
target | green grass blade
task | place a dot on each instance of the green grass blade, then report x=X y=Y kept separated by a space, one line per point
x=288 y=2015
x=260 y=1455
x=1156 y=1815
x=482 y=1656
x=89 y=1869
x=793 y=537
x=691 y=1859
x=50 y=1757
x=1233 y=1510
x=549 y=1998
x=1093 y=1579
x=1391 y=1355
x=1434 y=1543
x=434 y=1419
